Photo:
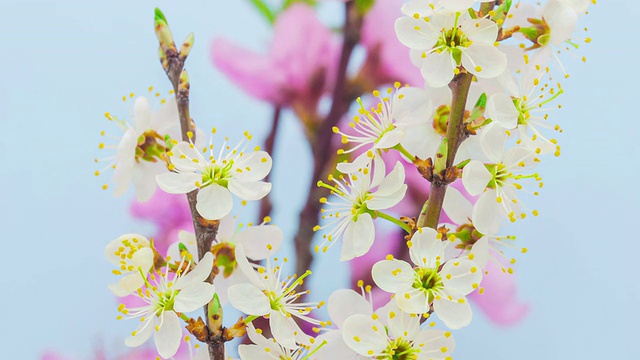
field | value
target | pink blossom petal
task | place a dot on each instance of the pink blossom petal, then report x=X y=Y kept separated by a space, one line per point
x=499 y=301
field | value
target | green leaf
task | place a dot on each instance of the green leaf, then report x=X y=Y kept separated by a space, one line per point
x=288 y=3
x=159 y=15
x=364 y=6
x=264 y=10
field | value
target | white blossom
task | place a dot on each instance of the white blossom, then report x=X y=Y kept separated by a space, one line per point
x=401 y=117
x=433 y=281
x=362 y=192
x=443 y=42
x=395 y=334
x=133 y=257
x=140 y=151
x=165 y=298
x=232 y=171
x=498 y=182
x=269 y=293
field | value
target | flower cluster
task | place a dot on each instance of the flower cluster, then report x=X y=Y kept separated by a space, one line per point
x=445 y=163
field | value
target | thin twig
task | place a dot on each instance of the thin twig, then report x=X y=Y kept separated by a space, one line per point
x=265 y=204
x=205 y=230
x=321 y=146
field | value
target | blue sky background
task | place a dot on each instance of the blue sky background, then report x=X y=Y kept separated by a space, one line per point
x=64 y=63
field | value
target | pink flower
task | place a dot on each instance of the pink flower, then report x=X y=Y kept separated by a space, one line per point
x=500 y=298
x=384 y=48
x=298 y=68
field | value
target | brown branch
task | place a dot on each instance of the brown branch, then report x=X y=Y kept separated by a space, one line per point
x=265 y=204
x=205 y=230
x=456 y=134
x=321 y=144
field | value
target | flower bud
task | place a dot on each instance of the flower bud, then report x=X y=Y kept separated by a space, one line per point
x=163 y=33
x=185 y=49
x=214 y=313
x=441 y=157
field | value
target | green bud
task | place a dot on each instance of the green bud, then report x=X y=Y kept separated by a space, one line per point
x=440 y=163
x=214 y=313
x=163 y=58
x=163 y=33
x=478 y=109
x=500 y=13
x=183 y=84
x=185 y=49
x=539 y=33
x=167 y=142
x=462 y=164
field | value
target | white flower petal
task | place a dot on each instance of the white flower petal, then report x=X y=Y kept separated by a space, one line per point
x=226 y=229
x=455 y=313
x=484 y=61
x=390 y=139
x=246 y=268
x=437 y=69
x=254 y=166
x=480 y=251
x=420 y=7
x=500 y=108
x=381 y=202
x=252 y=352
x=186 y=158
x=475 y=177
x=480 y=31
x=193 y=297
x=113 y=246
x=358 y=237
x=415 y=33
x=389 y=274
x=461 y=275
x=364 y=335
x=175 y=183
x=144 y=179
x=214 y=202
x=169 y=335
x=426 y=250
x=493 y=140
x=250 y=190
x=199 y=274
x=141 y=114
x=345 y=302
x=249 y=299
x=284 y=329
x=456 y=206
x=256 y=241
x=393 y=181
x=403 y=324
x=435 y=344
x=562 y=20
x=411 y=300
x=142 y=334
x=486 y=213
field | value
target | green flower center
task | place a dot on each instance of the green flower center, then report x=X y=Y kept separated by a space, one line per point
x=452 y=40
x=428 y=281
x=217 y=174
x=441 y=118
x=150 y=147
x=400 y=349
x=166 y=300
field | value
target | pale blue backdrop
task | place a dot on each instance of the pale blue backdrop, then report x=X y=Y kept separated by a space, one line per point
x=64 y=63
